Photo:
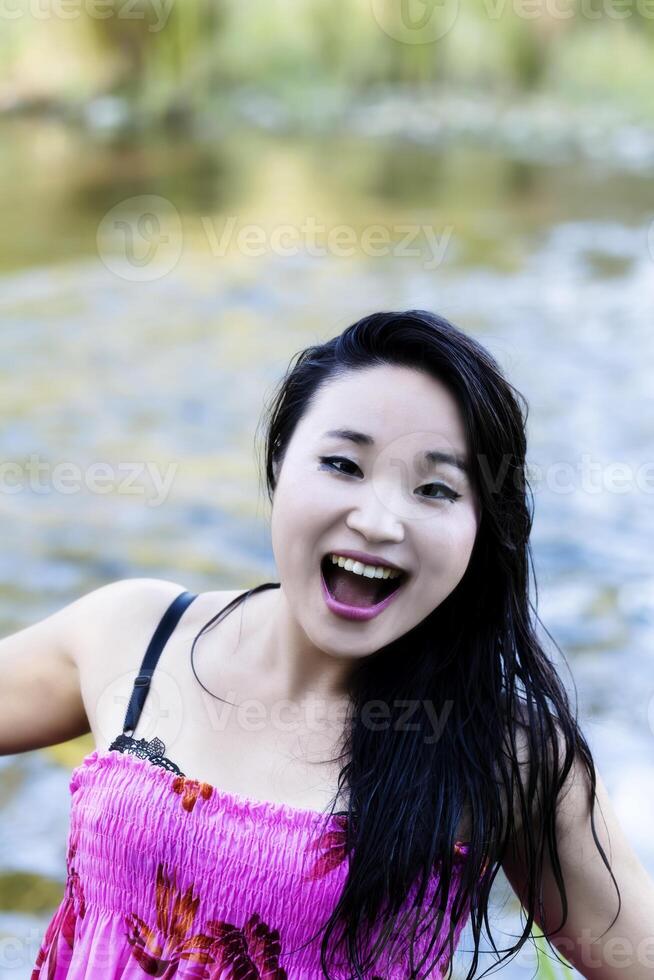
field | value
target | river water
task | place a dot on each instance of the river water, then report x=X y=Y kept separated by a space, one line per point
x=113 y=353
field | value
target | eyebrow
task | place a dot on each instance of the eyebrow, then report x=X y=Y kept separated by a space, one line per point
x=430 y=455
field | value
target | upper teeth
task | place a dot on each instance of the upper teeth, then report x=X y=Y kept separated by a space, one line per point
x=370 y=571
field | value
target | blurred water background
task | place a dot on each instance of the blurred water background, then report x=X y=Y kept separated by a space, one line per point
x=189 y=198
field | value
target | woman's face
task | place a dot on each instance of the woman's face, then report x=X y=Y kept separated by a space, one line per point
x=381 y=496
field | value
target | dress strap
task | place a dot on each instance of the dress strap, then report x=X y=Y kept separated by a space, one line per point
x=165 y=627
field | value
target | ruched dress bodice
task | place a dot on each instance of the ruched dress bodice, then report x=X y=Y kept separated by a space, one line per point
x=168 y=876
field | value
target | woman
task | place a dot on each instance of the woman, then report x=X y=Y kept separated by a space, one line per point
x=394 y=672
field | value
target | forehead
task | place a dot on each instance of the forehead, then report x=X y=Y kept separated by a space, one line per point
x=387 y=402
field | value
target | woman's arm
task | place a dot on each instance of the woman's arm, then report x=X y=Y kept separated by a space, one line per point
x=626 y=950
x=41 y=699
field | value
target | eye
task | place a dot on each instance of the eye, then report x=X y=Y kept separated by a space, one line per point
x=330 y=461
x=447 y=492
x=442 y=491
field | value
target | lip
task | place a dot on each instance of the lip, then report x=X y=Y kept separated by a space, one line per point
x=367 y=559
x=359 y=613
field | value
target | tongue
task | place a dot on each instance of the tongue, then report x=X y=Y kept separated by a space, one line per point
x=353 y=590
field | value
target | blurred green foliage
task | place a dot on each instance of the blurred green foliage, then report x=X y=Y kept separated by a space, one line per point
x=71 y=753
x=187 y=52
x=21 y=891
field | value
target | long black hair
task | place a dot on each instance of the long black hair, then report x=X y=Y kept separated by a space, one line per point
x=509 y=739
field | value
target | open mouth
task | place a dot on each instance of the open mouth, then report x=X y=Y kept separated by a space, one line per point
x=355 y=590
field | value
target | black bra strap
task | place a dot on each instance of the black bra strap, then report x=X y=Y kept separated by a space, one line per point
x=141 y=687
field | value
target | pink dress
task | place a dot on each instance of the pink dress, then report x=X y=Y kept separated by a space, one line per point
x=171 y=877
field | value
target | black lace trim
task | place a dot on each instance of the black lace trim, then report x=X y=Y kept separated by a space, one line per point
x=153 y=751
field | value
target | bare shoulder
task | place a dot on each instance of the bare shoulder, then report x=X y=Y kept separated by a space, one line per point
x=118 y=619
x=124 y=612
x=111 y=629
x=55 y=670
x=116 y=611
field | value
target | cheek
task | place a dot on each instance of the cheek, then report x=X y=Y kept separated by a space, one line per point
x=304 y=497
x=295 y=480
x=450 y=544
x=300 y=512
x=307 y=508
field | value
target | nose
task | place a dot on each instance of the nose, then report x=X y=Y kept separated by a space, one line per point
x=375 y=521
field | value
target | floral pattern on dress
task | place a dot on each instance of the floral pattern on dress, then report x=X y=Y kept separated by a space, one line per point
x=190 y=790
x=331 y=849
x=249 y=953
x=330 y=846
x=222 y=950
x=60 y=934
x=159 y=949
x=331 y=852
